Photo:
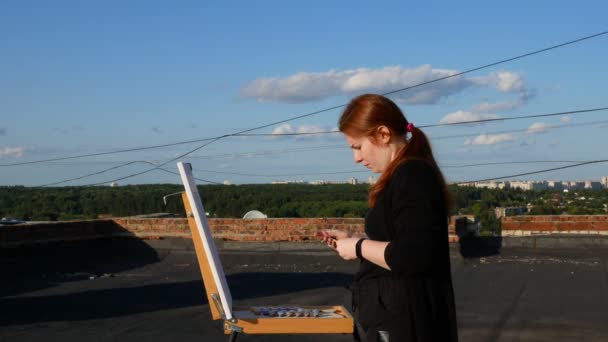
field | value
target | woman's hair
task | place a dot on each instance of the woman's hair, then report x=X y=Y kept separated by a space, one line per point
x=362 y=117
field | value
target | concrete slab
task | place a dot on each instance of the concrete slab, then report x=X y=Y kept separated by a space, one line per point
x=129 y=289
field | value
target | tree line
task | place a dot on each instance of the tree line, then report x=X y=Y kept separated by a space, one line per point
x=274 y=200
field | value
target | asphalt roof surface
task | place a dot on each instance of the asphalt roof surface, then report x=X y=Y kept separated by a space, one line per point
x=129 y=289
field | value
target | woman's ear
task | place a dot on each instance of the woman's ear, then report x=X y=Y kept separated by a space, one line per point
x=383 y=135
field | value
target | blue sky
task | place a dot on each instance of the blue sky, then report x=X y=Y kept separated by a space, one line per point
x=82 y=77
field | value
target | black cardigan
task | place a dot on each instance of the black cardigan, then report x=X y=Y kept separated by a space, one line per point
x=411 y=214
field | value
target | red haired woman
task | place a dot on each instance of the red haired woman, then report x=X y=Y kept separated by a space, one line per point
x=403 y=289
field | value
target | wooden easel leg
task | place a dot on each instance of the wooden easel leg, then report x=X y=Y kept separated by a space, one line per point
x=232 y=337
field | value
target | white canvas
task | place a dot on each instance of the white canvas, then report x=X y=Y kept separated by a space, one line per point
x=185 y=170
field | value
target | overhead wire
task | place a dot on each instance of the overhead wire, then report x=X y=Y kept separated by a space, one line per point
x=334 y=107
x=134 y=149
x=533 y=172
x=113 y=168
x=158 y=166
x=264 y=153
x=367 y=171
x=299 y=174
x=513 y=162
x=581 y=111
x=523 y=130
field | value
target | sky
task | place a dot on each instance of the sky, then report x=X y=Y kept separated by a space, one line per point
x=79 y=78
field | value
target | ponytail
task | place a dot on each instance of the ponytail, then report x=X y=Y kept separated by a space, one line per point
x=365 y=113
x=417 y=147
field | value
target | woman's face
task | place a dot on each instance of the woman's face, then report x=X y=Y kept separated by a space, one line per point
x=374 y=156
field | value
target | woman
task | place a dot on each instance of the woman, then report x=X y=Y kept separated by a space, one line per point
x=403 y=289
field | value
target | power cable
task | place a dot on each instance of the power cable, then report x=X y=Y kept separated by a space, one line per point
x=534 y=172
x=340 y=146
x=577 y=162
x=518 y=117
x=522 y=130
x=445 y=124
x=263 y=153
x=109 y=152
x=270 y=152
x=335 y=107
x=199 y=179
x=445 y=137
x=244 y=154
x=511 y=162
x=436 y=80
x=161 y=165
x=113 y=168
x=366 y=171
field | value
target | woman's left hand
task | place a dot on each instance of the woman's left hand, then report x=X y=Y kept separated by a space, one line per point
x=346 y=248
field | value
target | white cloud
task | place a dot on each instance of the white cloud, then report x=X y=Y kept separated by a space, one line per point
x=483 y=110
x=12 y=151
x=283 y=129
x=489 y=139
x=538 y=127
x=304 y=86
x=503 y=81
x=488 y=107
x=464 y=116
x=310 y=129
x=303 y=129
x=565 y=119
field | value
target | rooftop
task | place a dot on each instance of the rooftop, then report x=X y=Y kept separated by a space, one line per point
x=115 y=289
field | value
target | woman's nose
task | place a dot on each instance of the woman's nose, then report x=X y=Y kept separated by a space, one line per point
x=357 y=156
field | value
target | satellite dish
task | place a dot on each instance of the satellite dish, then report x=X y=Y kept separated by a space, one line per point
x=254 y=214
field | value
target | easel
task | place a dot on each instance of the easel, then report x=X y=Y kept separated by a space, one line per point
x=244 y=320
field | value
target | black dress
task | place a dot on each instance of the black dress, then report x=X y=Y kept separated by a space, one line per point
x=415 y=300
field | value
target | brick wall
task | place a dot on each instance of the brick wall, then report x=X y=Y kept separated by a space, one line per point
x=276 y=229
x=554 y=224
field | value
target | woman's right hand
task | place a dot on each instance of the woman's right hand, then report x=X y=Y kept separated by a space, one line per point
x=331 y=235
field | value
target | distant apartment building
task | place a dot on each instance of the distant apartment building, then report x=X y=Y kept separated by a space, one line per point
x=287 y=181
x=591 y=185
x=576 y=185
x=521 y=185
x=371 y=180
x=491 y=185
x=555 y=185
x=529 y=185
x=352 y=180
x=543 y=185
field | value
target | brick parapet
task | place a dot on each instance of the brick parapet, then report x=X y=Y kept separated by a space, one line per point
x=554 y=224
x=261 y=230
